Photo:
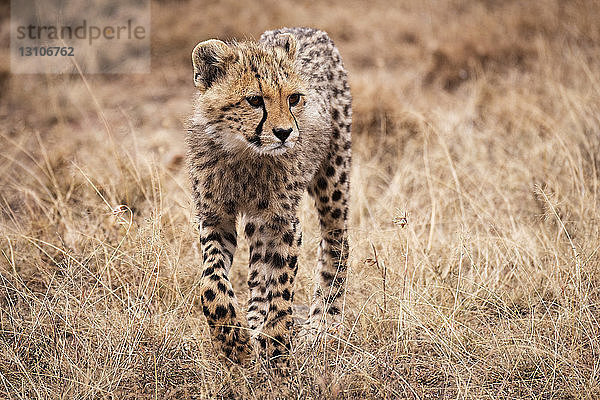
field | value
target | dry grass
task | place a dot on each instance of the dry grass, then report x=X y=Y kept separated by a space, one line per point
x=479 y=121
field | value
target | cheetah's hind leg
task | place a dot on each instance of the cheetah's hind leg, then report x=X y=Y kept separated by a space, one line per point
x=330 y=189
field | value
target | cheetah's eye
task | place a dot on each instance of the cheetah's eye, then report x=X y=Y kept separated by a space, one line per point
x=294 y=99
x=255 y=101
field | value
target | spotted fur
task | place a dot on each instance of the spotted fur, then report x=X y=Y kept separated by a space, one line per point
x=254 y=158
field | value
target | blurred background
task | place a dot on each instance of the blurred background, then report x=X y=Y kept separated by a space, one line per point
x=474 y=214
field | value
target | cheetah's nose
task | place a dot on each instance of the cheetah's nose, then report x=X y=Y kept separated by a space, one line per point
x=282 y=134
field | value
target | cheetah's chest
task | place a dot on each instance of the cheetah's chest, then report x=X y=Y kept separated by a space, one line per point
x=257 y=187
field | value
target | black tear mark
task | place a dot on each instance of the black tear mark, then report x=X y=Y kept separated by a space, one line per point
x=293 y=116
x=259 y=128
x=255 y=140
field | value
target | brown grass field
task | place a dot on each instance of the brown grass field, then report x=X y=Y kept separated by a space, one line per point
x=476 y=121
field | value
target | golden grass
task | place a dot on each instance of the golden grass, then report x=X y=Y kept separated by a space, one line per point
x=477 y=121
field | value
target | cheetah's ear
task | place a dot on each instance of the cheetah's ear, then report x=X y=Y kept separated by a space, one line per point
x=210 y=60
x=288 y=43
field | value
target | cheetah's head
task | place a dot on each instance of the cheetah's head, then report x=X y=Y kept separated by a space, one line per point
x=250 y=95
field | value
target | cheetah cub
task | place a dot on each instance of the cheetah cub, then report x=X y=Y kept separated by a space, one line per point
x=271 y=120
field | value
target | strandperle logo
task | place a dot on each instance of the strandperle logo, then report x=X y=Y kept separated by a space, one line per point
x=80 y=36
x=83 y=31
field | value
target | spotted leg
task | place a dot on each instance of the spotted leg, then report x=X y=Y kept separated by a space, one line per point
x=330 y=191
x=258 y=306
x=273 y=268
x=229 y=335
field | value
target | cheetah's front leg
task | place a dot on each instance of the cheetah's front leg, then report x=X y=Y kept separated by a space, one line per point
x=229 y=334
x=273 y=267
